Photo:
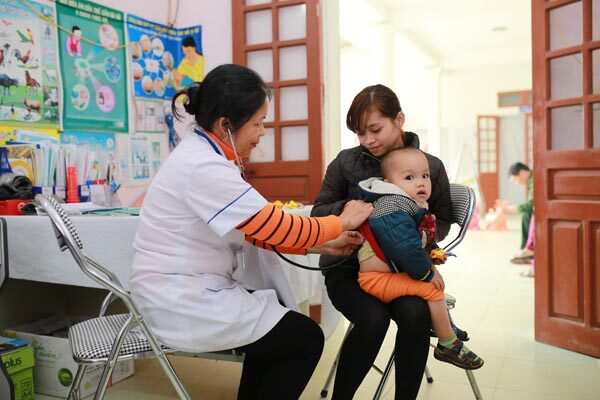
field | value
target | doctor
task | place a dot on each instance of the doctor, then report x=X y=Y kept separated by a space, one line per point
x=196 y=215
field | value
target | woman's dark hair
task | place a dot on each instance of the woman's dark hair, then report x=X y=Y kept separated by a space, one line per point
x=229 y=91
x=75 y=28
x=517 y=167
x=188 y=41
x=372 y=98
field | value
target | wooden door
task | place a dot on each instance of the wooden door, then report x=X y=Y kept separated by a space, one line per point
x=281 y=41
x=487 y=156
x=566 y=125
x=529 y=140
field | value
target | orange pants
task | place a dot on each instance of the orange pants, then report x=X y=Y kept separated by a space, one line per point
x=388 y=286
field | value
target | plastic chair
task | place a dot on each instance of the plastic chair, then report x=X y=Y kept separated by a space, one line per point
x=463 y=206
x=108 y=339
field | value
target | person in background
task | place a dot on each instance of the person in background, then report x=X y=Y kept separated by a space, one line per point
x=376 y=117
x=520 y=174
x=530 y=273
x=195 y=217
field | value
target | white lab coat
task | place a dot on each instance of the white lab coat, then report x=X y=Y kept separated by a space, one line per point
x=187 y=253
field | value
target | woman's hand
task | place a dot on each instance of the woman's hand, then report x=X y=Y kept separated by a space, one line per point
x=355 y=213
x=343 y=245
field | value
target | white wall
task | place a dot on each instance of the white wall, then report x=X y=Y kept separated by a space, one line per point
x=366 y=58
x=215 y=18
x=466 y=93
x=330 y=33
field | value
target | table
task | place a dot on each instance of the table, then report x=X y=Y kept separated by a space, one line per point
x=34 y=255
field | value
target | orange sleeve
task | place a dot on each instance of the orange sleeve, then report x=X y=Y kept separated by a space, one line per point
x=285 y=231
x=266 y=246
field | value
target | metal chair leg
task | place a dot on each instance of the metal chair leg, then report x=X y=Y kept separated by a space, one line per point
x=325 y=389
x=74 y=393
x=112 y=359
x=166 y=366
x=428 y=375
x=384 y=377
x=474 y=385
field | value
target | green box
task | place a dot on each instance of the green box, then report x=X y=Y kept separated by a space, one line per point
x=19 y=364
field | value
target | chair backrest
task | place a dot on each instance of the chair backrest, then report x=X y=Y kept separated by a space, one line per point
x=68 y=238
x=3 y=254
x=463 y=207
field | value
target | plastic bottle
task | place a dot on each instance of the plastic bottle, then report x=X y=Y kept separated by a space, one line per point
x=72 y=196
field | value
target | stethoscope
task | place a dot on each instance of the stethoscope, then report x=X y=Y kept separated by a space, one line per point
x=284 y=258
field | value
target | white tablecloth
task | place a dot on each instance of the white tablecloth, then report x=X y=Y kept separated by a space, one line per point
x=34 y=255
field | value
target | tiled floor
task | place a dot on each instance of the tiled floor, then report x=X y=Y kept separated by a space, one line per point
x=494 y=304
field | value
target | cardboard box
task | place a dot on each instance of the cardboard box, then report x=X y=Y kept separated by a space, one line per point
x=19 y=363
x=55 y=368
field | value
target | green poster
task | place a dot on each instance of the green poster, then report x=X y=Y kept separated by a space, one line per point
x=93 y=66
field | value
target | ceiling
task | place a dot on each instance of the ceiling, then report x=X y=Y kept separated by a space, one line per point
x=462 y=33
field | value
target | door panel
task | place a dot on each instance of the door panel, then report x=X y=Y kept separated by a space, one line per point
x=565 y=269
x=567 y=175
x=487 y=156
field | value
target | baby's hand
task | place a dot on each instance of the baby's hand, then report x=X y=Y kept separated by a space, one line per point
x=438 y=280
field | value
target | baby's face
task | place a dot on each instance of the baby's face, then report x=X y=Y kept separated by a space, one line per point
x=411 y=174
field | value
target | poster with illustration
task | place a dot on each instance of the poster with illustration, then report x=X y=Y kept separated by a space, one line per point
x=103 y=146
x=28 y=72
x=150 y=116
x=140 y=156
x=12 y=134
x=91 y=141
x=123 y=170
x=163 y=59
x=93 y=66
x=160 y=148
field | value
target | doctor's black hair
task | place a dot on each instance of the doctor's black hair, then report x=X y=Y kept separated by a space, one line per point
x=231 y=91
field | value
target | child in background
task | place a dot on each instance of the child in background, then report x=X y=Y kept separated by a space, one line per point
x=399 y=255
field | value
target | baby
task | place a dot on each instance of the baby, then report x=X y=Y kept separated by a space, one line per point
x=399 y=256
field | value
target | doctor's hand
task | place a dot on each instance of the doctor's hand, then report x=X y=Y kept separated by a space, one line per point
x=355 y=213
x=343 y=245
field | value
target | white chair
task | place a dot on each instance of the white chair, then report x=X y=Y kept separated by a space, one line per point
x=463 y=206
x=108 y=339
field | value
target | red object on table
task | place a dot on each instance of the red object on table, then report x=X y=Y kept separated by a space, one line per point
x=72 y=196
x=12 y=207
